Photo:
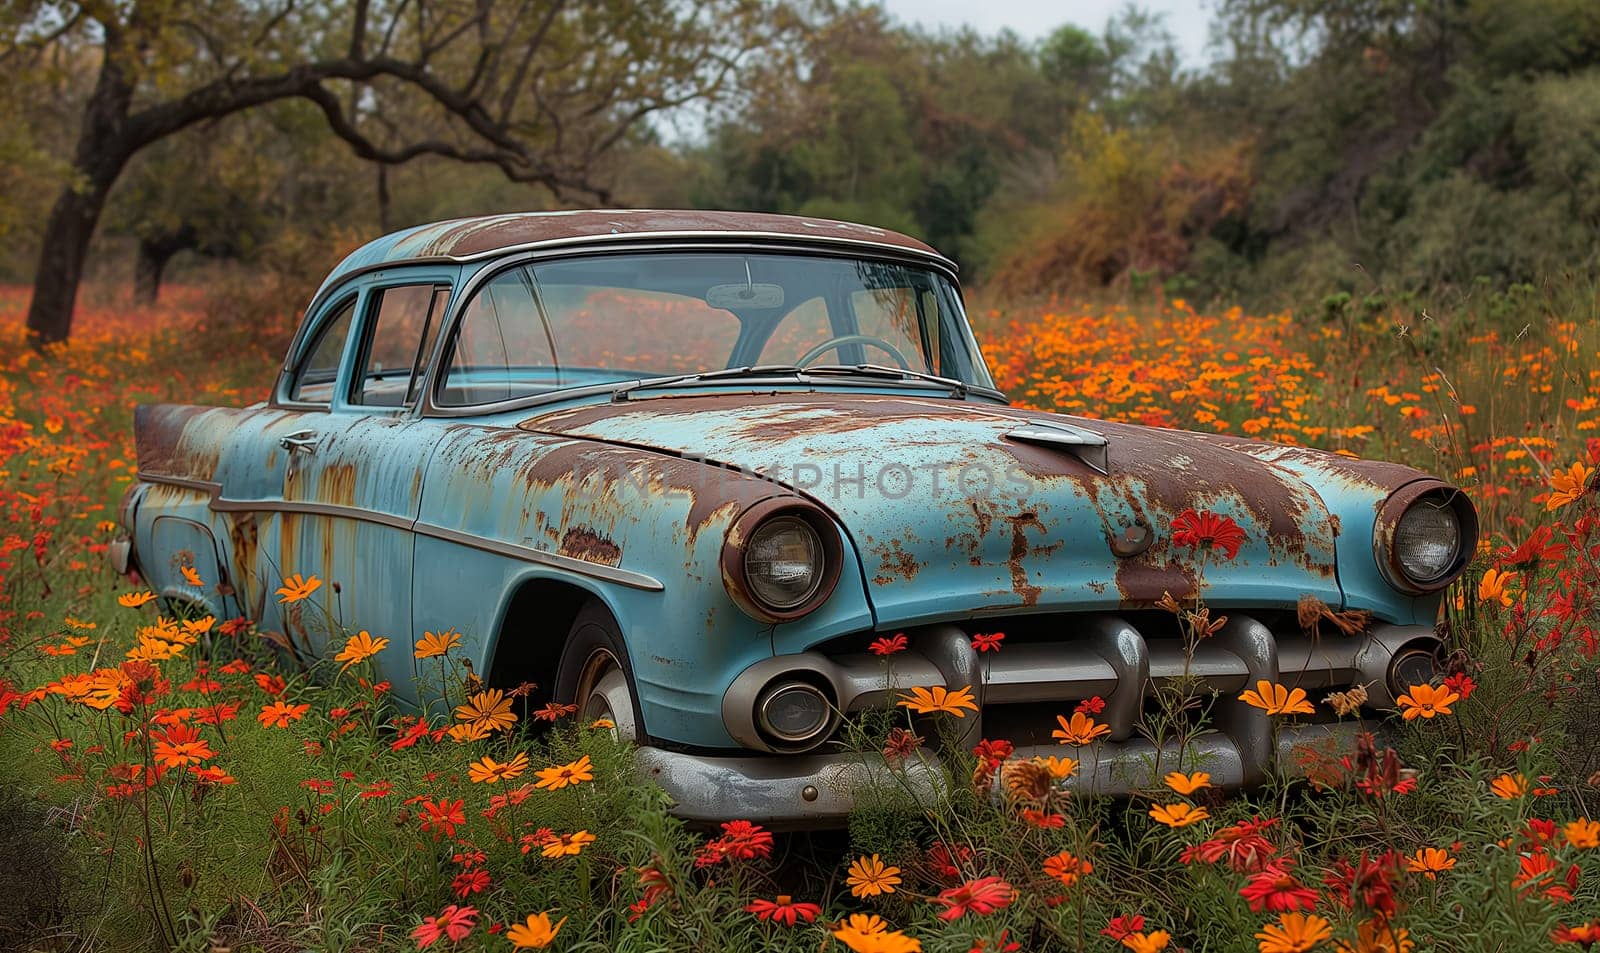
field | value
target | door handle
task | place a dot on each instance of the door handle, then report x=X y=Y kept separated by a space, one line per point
x=301 y=441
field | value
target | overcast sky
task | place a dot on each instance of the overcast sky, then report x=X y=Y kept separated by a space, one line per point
x=1032 y=19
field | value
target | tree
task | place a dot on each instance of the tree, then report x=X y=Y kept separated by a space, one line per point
x=539 y=89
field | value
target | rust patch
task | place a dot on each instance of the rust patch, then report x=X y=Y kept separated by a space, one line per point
x=895 y=564
x=589 y=546
x=1020 y=524
x=336 y=483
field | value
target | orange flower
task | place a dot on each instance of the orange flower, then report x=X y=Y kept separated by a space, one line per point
x=295 y=588
x=1178 y=815
x=134 y=600
x=279 y=714
x=1187 y=784
x=1495 y=586
x=1080 y=730
x=1567 y=486
x=1275 y=699
x=1509 y=786
x=935 y=700
x=1425 y=701
x=1294 y=933
x=1059 y=768
x=468 y=731
x=567 y=845
x=535 y=933
x=489 y=708
x=870 y=876
x=190 y=576
x=1378 y=936
x=487 y=770
x=562 y=775
x=1066 y=868
x=433 y=645
x=1152 y=942
x=867 y=933
x=1430 y=861
x=181 y=745
x=359 y=648
x=1583 y=833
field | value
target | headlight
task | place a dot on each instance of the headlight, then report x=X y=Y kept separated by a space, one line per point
x=783 y=562
x=792 y=714
x=1425 y=536
x=781 y=559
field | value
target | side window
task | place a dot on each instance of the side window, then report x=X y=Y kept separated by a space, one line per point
x=502 y=349
x=314 y=380
x=404 y=321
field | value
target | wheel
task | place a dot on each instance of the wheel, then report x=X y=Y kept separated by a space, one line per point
x=594 y=673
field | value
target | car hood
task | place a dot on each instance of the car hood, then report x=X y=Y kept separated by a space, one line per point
x=957 y=509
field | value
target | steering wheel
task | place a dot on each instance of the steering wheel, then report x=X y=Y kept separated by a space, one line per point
x=843 y=339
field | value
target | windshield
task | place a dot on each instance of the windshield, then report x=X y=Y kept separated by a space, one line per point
x=611 y=318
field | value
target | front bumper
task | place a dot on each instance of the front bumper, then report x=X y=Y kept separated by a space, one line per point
x=1017 y=690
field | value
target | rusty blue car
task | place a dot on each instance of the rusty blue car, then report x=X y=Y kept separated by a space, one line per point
x=681 y=468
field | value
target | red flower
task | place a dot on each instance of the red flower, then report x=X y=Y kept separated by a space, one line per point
x=469 y=882
x=1276 y=890
x=1370 y=880
x=991 y=753
x=234 y=626
x=784 y=910
x=945 y=861
x=553 y=711
x=1120 y=927
x=1001 y=944
x=1461 y=683
x=1209 y=531
x=1539 y=873
x=443 y=816
x=1538 y=548
x=453 y=922
x=740 y=840
x=988 y=643
x=887 y=646
x=1242 y=846
x=1585 y=934
x=1043 y=820
x=1091 y=706
x=982 y=896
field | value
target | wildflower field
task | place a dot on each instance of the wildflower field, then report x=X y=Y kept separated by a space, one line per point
x=179 y=783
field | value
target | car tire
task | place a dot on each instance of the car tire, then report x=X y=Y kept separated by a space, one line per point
x=594 y=674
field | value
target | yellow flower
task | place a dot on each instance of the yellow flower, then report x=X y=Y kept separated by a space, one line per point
x=567 y=845
x=1178 y=815
x=1425 y=701
x=870 y=876
x=562 y=775
x=359 y=648
x=1187 y=784
x=190 y=576
x=487 y=770
x=295 y=588
x=154 y=650
x=1059 y=768
x=1583 y=833
x=930 y=701
x=535 y=934
x=490 y=708
x=1430 y=861
x=433 y=645
x=1495 y=587
x=1275 y=699
x=1377 y=936
x=1081 y=730
x=133 y=600
x=1566 y=486
x=1509 y=786
x=1294 y=933
x=200 y=626
x=468 y=731
x=864 y=933
x=1152 y=942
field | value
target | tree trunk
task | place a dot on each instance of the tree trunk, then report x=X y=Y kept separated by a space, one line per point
x=102 y=152
x=151 y=264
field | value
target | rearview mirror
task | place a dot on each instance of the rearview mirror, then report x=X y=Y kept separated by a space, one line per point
x=736 y=297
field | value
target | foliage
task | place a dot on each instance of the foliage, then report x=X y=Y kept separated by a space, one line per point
x=299 y=809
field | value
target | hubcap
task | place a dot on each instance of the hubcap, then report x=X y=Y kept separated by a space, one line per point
x=603 y=693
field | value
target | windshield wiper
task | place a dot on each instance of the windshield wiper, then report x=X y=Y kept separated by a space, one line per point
x=727 y=373
x=884 y=370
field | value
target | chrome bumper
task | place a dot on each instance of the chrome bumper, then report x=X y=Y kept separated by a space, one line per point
x=120 y=553
x=819 y=791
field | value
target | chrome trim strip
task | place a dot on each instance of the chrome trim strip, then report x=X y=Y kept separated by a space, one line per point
x=623 y=577
x=217 y=503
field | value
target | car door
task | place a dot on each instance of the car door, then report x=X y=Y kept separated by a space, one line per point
x=353 y=483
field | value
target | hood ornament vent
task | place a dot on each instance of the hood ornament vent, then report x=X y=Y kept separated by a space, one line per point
x=1086 y=445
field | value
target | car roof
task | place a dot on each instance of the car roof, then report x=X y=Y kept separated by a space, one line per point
x=467 y=239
